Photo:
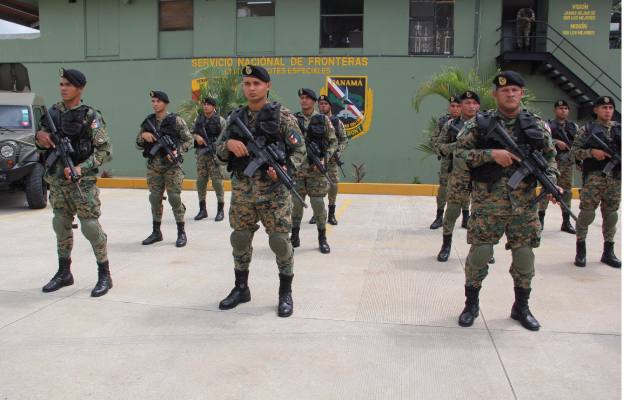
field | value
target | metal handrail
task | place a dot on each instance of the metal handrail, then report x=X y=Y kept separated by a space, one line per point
x=557 y=44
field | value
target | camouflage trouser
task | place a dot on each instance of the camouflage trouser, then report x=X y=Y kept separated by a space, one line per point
x=565 y=181
x=66 y=202
x=251 y=203
x=457 y=199
x=523 y=30
x=602 y=191
x=333 y=172
x=443 y=181
x=207 y=168
x=170 y=180
x=485 y=231
x=315 y=185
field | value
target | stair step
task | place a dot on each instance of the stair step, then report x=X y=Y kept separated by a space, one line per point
x=567 y=86
x=575 y=92
x=583 y=99
x=560 y=80
x=553 y=73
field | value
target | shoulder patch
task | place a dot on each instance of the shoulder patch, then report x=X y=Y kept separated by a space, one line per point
x=294 y=138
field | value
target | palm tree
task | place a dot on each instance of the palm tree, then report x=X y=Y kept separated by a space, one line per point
x=453 y=82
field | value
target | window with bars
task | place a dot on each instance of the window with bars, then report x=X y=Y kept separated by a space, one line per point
x=615 y=25
x=341 y=23
x=176 y=15
x=431 y=26
x=257 y=8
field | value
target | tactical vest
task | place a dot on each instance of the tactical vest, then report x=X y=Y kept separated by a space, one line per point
x=334 y=120
x=315 y=133
x=526 y=133
x=212 y=126
x=592 y=164
x=443 y=120
x=74 y=125
x=168 y=127
x=266 y=125
x=453 y=129
x=570 y=130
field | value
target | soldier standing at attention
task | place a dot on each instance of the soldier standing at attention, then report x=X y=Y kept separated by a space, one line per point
x=318 y=130
x=599 y=189
x=85 y=129
x=524 y=19
x=208 y=126
x=497 y=210
x=260 y=198
x=563 y=133
x=454 y=111
x=323 y=103
x=162 y=171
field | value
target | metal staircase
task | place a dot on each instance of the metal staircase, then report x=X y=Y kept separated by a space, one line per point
x=583 y=83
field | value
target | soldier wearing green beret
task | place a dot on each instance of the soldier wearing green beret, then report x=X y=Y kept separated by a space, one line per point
x=84 y=127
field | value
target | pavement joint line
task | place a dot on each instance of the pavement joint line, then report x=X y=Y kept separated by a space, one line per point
x=498 y=353
x=32 y=313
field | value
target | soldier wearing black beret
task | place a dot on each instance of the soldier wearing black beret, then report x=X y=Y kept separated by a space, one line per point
x=75 y=77
x=255 y=71
x=164 y=173
x=308 y=93
x=508 y=78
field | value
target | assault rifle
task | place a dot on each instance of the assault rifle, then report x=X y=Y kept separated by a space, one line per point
x=164 y=143
x=312 y=150
x=267 y=155
x=63 y=150
x=532 y=163
x=210 y=147
x=615 y=157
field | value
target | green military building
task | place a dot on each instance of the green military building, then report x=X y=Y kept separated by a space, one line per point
x=371 y=55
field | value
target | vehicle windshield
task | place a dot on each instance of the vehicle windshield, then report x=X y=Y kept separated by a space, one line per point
x=15 y=117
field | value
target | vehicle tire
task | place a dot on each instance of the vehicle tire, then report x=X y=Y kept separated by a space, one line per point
x=36 y=188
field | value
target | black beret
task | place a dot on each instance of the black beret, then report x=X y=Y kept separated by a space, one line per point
x=325 y=98
x=508 y=78
x=210 y=100
x=560 y=103
x=453 y=99
x=159 y=95
x=307 y=92
x=469 y=94
x=604 y=100
x=73 y=76
x=255 y=71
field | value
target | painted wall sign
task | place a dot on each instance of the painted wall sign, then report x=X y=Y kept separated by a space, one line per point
x=577 y=20
x=284 y=65
x=352 y=101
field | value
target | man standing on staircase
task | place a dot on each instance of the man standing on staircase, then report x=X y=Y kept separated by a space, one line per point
x=601 y=174
x=524 y=19
x=454 y=111
x=563 y=133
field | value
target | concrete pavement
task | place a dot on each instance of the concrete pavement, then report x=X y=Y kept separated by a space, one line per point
x=375 y=319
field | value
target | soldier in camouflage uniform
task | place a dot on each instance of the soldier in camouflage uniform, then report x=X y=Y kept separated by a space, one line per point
x=454 y=111
x=260 y=198
x=524 y=19
x=85 y=129
x=316 y=129
x=163 y=173
x=323 y=103
x=563 y=133
x=497 y=210
x=458 y=193
x=209 y=124
x=599 y=189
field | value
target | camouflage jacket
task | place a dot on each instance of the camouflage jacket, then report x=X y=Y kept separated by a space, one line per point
x=289 y=131
x=342 y=138
x=497 y=198
x=580 y=150
x=101 y=146
x=330 y=135
x=160 y=161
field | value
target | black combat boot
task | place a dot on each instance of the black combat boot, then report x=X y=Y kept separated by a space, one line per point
x=220 y=215
x=324 y=248
x=312 y=220
x=240 y=293
x=465 y=218
x=520 y=309
x=566 y=224
x=438 y=220
x=609 y=257
x=580 y=253
x=203 y=213
x=181 y=235
x=445 y=251
x=295 y=237
x=331 y=214
x=285 y=301
x=62 y=278
x=471 y=310
x=155 y=236
x=541 y=217
x=104 y=282
x=491 y=260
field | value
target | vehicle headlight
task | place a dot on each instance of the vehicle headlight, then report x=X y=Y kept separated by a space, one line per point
x=7 y=151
